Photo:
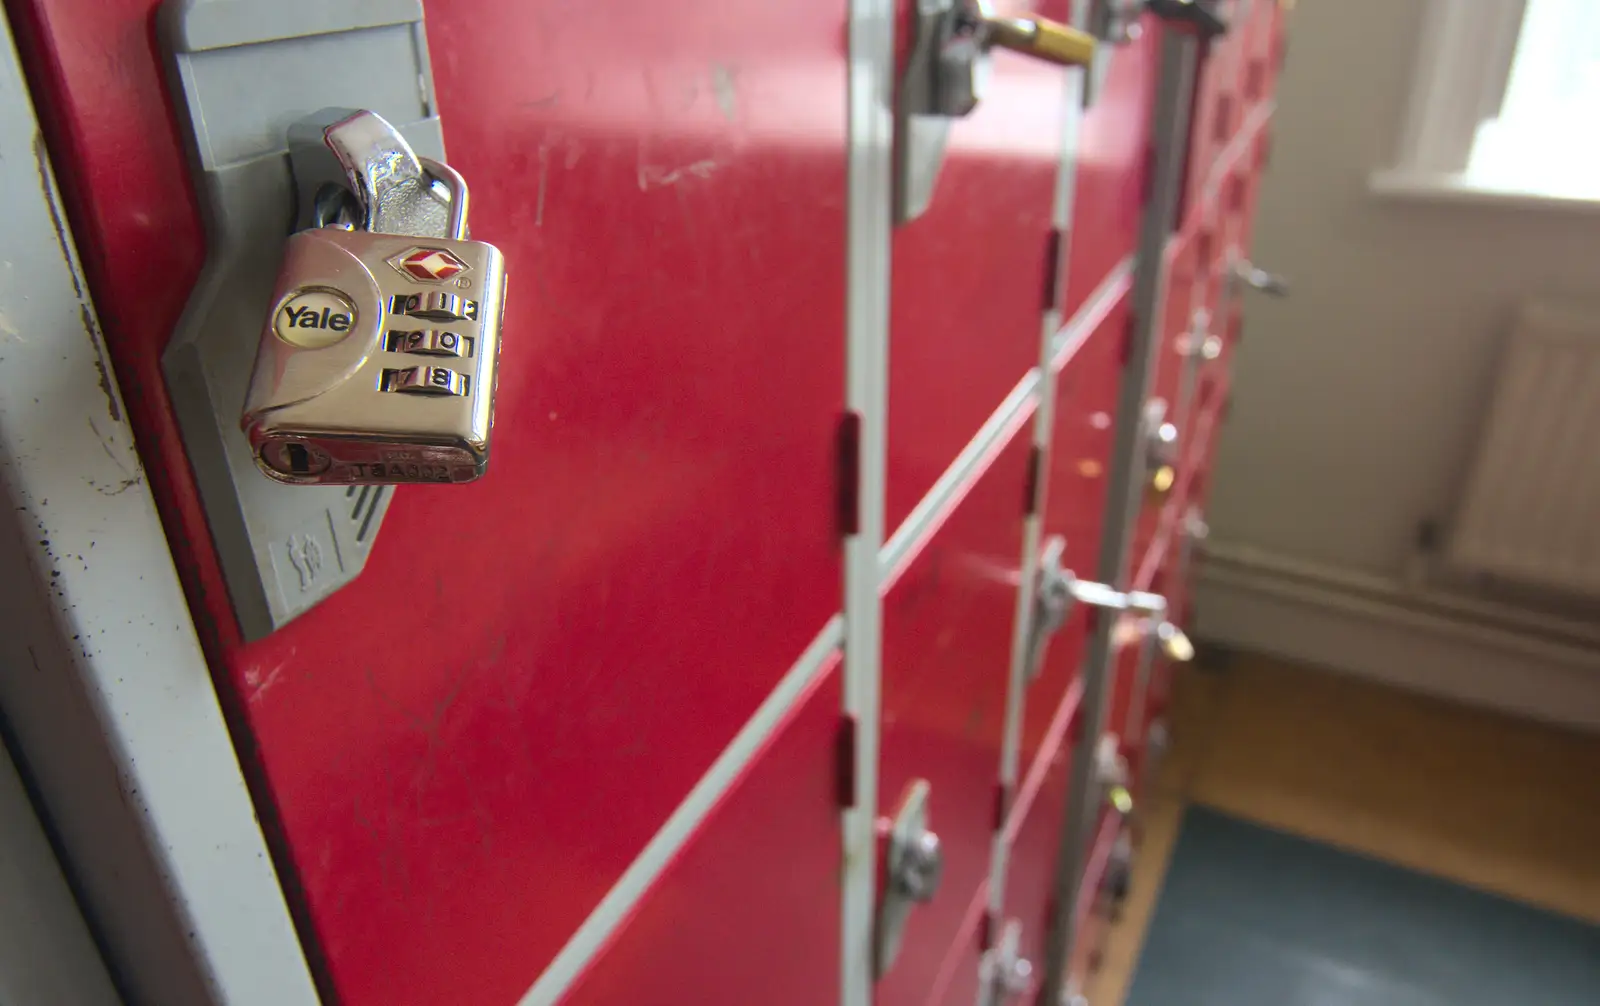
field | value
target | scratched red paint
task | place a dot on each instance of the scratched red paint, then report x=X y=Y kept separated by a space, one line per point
x=749 y=911
x=466 y=748
x=456 y=757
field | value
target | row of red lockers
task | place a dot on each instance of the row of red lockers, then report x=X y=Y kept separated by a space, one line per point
x=461 y=753
x=948 y=618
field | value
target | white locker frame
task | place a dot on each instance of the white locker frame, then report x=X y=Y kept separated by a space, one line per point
x=109 y=701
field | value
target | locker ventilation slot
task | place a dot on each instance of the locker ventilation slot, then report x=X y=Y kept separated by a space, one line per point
x=369 y=503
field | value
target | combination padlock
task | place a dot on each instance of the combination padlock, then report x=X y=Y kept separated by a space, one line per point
x=378 y=361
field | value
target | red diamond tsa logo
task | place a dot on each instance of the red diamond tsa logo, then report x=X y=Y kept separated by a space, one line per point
x=429 y=264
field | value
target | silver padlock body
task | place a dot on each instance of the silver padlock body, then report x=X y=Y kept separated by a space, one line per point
x=378 y=361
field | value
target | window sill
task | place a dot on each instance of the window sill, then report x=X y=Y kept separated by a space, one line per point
x=1456 y=188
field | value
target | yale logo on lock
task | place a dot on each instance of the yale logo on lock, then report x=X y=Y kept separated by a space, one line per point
x=314 y=318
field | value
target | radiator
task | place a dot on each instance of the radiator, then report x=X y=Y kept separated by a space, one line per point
x=1531 y=509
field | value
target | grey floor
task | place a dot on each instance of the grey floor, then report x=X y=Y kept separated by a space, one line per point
x=1249 y=916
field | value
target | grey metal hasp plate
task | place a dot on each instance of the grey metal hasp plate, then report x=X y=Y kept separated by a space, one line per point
x=243 y=74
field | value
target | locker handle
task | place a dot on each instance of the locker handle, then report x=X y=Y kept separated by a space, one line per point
x=1246 y=274
x=1057 y=589
x=1003 y=972
x=913 y=867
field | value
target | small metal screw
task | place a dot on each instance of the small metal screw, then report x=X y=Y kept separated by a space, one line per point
x=922 y=867
x=1018 y=977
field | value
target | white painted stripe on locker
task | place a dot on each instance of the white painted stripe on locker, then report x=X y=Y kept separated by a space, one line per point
x=608 y=915
x=935 y=507
x=869 y=179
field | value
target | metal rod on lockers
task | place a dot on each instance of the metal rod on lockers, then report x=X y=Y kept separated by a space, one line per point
x=1123 y=497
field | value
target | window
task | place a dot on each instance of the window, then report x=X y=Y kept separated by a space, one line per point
x=1544 y=138
x=1504 y=103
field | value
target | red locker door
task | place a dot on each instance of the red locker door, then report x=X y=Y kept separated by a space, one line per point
x=1033 y=839
x=1233 y=272
x=1086 y=402
x=458 y=755
x=947 y=636
x=749 y=911
x=1262 y=52
x=970 y=275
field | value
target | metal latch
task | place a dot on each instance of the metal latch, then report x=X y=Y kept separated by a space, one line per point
x=914 y=868
x=1003 y=973
x=1199 y=340
x=945 y=78
x=1173 y=642
x=1246 y=275
x=1056 y=591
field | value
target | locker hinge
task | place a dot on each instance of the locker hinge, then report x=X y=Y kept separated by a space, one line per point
x=1032 y=483
x=845 y=762
x=1222 y=124
x=1234 y=198
x=1130 y=327
x=848 y=454
x=1052 y=268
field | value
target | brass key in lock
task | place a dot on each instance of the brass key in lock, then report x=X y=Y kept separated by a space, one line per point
x=1039 y=37
x=378 y=362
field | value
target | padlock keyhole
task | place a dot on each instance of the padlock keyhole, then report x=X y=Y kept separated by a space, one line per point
x=299 y=458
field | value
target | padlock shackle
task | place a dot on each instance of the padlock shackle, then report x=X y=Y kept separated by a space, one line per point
x=458 y=194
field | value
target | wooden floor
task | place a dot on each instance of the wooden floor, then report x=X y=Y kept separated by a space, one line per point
x=1495 y=803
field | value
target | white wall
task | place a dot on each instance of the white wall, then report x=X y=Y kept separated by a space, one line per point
x=1357 y=400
